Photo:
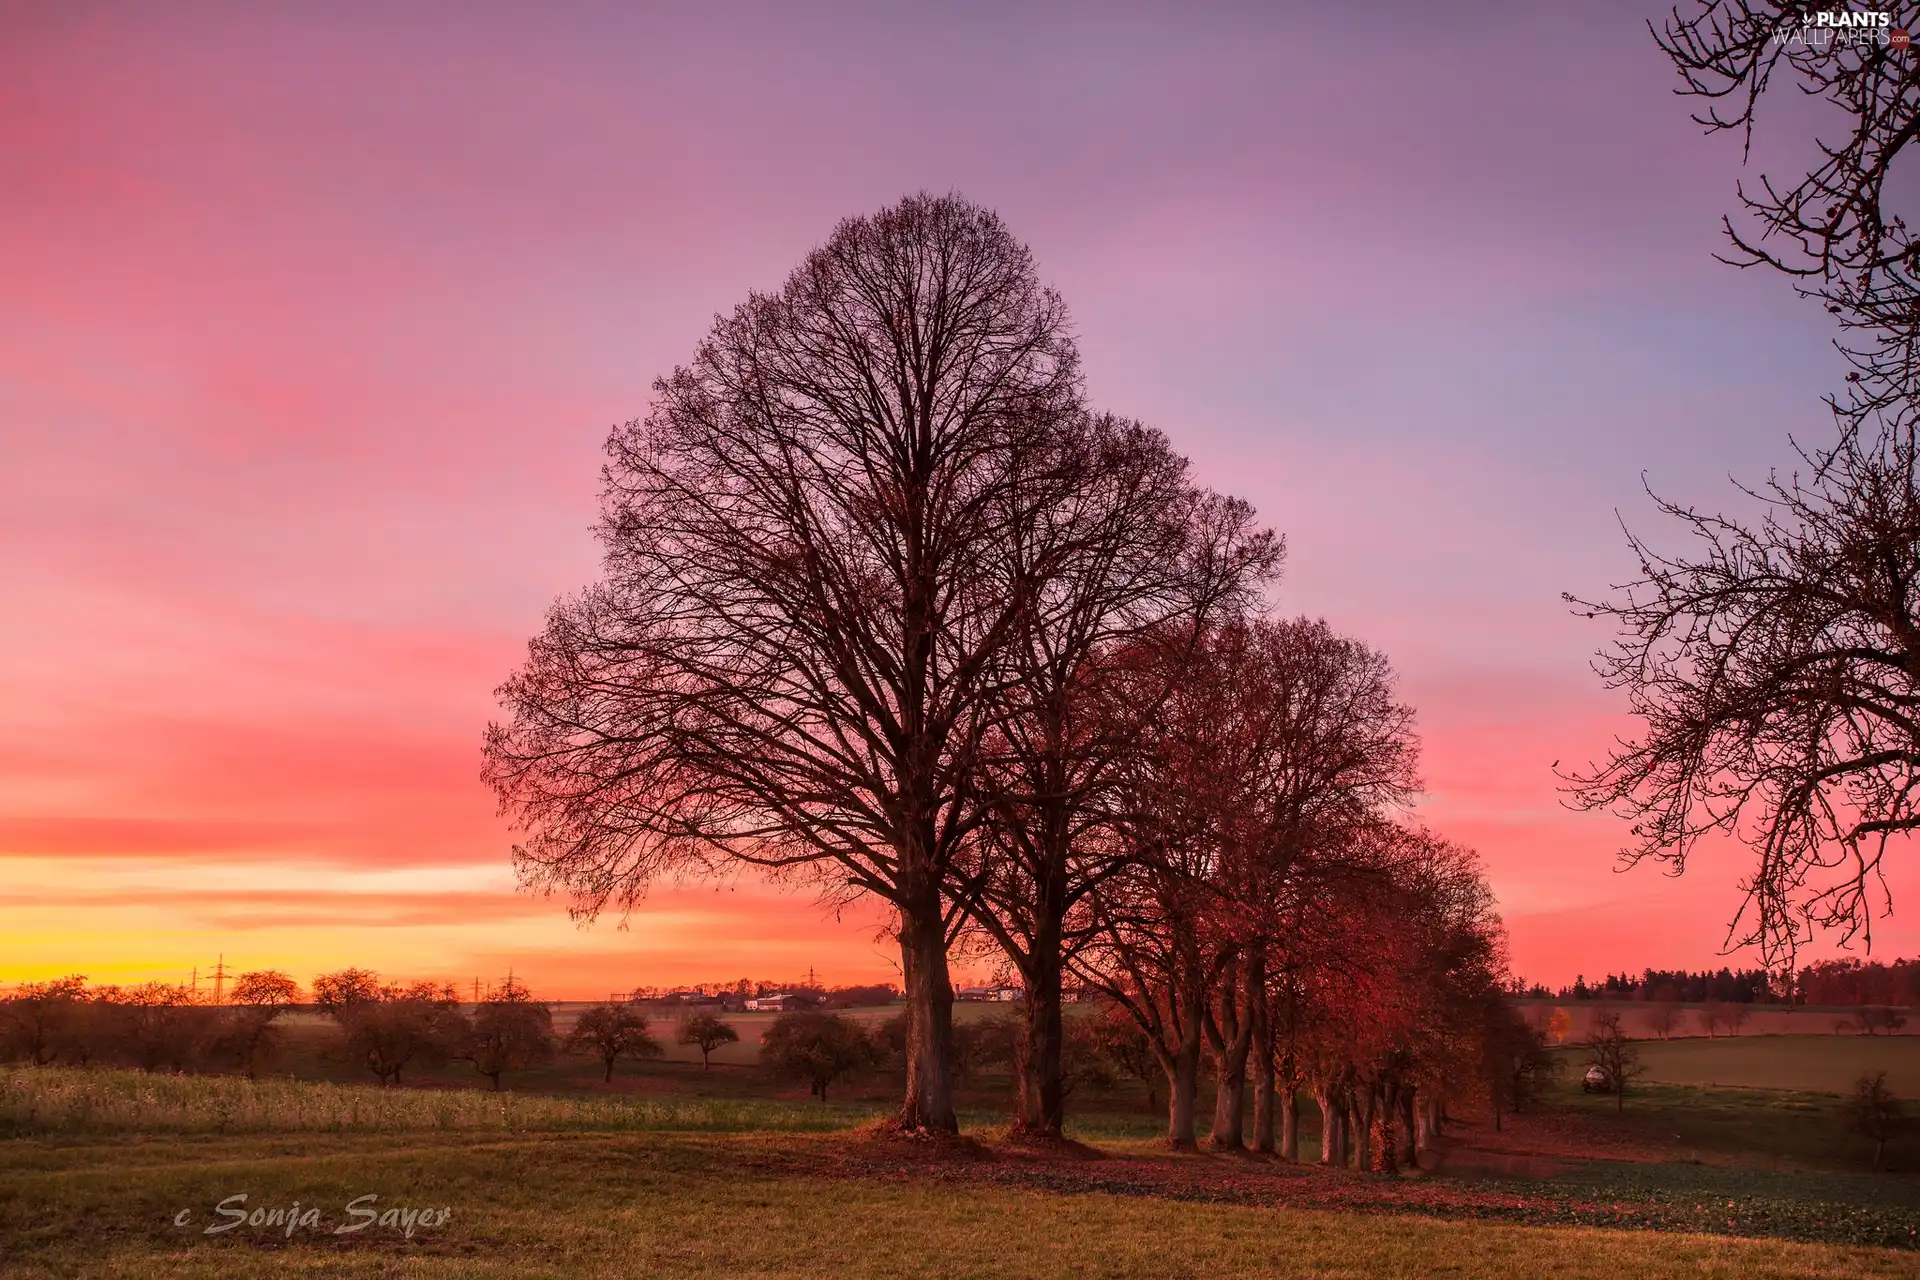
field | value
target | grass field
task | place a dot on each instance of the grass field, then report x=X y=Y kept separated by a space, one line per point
x=676 y=1170
x=1820 y=1063
x=590 y=1203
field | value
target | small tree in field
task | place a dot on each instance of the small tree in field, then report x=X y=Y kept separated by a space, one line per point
x=510 y=1031
x=1609 y=1048
x=1663 y=1019
x=706 y=1032
x=157 y=1025
x=36 y=1020
x=819 y=1048
x=1873 y=1112
x=247 y=1034
x=387 y=1028
x=1873 y=1020
x=1514 y=1061
x=610 y=1032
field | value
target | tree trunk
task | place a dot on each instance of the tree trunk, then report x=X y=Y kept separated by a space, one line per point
x=1333 y=1112
x=1289 y=1124
x=1231 y=1046
x=1183 y=1082
x=928 y=1105
x=1406 y=1128
x=1361 y=1126
x=1424 y=1111
x=1041 y=1097
x=1381 y=1141
x=1263 y=1083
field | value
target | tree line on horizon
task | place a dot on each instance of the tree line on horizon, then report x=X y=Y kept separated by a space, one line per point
x=1841 y=982
x=888 y=608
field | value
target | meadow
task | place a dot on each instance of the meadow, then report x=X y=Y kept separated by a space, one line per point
x=679 y=1170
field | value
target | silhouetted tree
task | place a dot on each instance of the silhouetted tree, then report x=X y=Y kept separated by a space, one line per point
x=1515 y=1063
x=610 y=1032
x=1837 y=230
x=808 y=594
x=820 y=1048
x=387 y=1027
x=38 y=1018
x=508 y=1031
x=705 y=1032
x=1775 y=664
x=247 y=1031
x=1774 y=669
x=1141 y=553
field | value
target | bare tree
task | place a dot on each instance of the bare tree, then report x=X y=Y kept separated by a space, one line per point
x=1872 y=1019
x=1330 y=754
x=1663 y=1018
x=705 y=1032
x=1777 y=673
x=808 y=595
x=1514 y=1061
x=610 y=1032
x=508 y=1031
x=820 y=1048
x=1775 y=665
x=1278 y=743
x=248 y=1034
x=1146 y=554
x=1609 y=1048
x=36 y=1019
x=1838 y=230
x=1715 y=1016
x=388 y=1027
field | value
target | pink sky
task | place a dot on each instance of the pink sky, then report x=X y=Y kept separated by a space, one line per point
x=312 y=325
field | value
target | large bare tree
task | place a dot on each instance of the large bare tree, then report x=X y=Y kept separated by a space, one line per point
x=1775 y=667
x=1151 y=559
x=808 y=595
x=1774 y=662
x=1838 y=230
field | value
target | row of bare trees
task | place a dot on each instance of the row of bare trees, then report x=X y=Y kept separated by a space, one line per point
x=154 y=1026
x=887 y=607
x=386 y=1028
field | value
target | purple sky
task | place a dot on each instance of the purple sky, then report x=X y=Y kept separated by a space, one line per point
x=314 y=324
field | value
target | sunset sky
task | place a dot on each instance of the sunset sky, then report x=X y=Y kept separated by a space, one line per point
x=312 y=325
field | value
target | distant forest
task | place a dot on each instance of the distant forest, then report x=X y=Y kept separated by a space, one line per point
x=1828 y=982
